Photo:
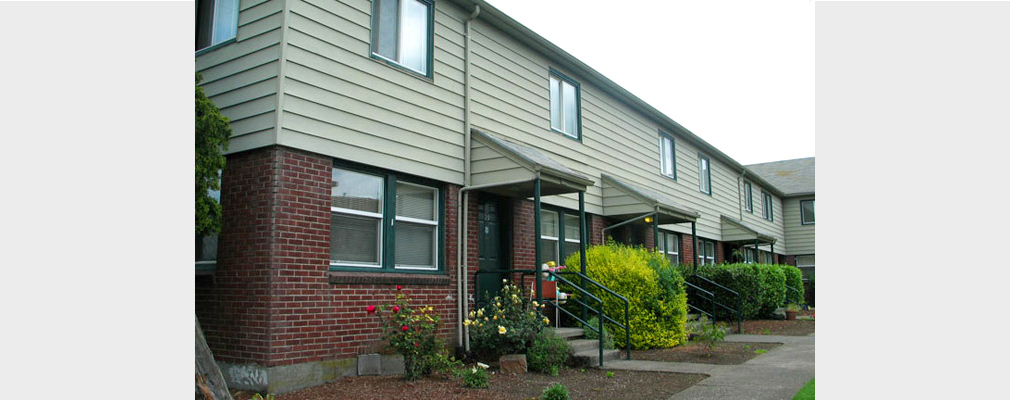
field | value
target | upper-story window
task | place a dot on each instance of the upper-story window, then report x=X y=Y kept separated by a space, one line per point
x=807 y=212
x=748 y=193
x=216 y=22
x=565 y=112
x=705 y=174
x=667 y=155
x=402 y=33
x=380 y=222
x=768 y=211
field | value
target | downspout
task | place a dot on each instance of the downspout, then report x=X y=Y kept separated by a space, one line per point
x=462 y=217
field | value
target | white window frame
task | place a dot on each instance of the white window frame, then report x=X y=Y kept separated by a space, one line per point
x=667 y=159
x=803 y=220
x=767 y=206
x=215 y=24
x=434 y=223
x=705 y=174
x=749 y=196
x=400 y=34
x=665 y=235
x=382 y=226
x=577 y=89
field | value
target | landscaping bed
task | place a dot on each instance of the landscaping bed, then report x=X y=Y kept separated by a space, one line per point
x=725 y=353
x=798 y=327
x=591 y=384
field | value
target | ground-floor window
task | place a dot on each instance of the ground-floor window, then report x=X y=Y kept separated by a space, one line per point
x=750 y=256
x=560 y=235
x=669 y=243
x=806 y=264
x=383 y=221
x=206 y=245
x=769 y=257
x=706 y=252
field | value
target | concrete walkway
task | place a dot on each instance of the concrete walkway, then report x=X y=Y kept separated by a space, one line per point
x=777 y=374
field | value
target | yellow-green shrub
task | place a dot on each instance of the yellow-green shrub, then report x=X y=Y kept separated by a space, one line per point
x=654 y=289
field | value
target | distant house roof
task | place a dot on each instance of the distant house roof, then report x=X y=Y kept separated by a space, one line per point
x=792 y=177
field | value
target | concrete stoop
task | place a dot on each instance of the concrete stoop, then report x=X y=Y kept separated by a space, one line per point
x=585 y=351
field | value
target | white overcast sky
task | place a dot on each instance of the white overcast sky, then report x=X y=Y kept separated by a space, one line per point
x=737 y=73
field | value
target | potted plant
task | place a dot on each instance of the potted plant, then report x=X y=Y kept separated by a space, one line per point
x=791 y=311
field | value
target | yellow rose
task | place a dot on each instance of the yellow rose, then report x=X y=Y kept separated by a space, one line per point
x=501 y=330
x=546 y=321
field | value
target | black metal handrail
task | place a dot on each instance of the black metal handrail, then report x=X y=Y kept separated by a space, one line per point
x=788 y=288
x=599 y=312
x=627 y=320
x=739 y=301
x=705 y=295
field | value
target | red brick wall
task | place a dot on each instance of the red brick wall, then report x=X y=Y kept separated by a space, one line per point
x=720 y=253
x=687 y=249
x=272 y=302
x=596 y=225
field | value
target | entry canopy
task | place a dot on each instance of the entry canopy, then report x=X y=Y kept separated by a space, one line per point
x=738 y=232
x=624 y=200
x=509 y=169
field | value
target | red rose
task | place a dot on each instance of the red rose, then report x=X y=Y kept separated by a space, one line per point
x=405 y=328
x=416 y=344
x=396 y=309
x=370 y=309
x=398 y=287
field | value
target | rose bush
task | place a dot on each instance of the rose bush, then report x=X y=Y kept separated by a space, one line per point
x=413 y=333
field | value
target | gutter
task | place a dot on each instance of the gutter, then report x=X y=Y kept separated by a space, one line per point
x=739 y=192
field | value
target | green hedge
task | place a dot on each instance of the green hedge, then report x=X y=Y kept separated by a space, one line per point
x=761 y=286
x=794 y=278
x=654 y=289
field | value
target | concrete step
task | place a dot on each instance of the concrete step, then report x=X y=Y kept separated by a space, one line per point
x=583 y=344
x=569 y=333
x=591 y=357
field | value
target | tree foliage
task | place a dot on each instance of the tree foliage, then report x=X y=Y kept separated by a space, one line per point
x=212 y=133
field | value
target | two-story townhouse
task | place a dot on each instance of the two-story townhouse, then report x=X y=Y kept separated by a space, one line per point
x=796 y=179
x=409 y=142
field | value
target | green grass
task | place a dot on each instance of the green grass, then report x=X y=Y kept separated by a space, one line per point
x=807 y=393
x=760 y=351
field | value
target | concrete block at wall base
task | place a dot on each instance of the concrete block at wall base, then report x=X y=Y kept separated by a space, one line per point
x=286 y=378
x=369 y=364
x=392 y=364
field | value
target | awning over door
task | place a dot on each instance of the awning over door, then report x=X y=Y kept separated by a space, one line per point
x=738 y=232
x=623 y=200
x=509 y=169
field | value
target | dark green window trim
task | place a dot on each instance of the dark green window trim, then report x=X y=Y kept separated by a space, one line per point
x=708 y=173
x=673 y=148
x=389 y=213
x=578 y=103
x=749 y=193
x=561 y=226
x=701 y=253
x=803 y=221
x=429 y=76
x=663 y=234
x=769 y=207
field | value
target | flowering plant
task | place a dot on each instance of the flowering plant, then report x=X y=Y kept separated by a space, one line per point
x=413 y=332
x=508 y=324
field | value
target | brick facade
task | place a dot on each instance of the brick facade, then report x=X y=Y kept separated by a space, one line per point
x=273 y=301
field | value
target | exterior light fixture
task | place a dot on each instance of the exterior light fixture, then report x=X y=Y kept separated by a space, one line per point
x=648 y=220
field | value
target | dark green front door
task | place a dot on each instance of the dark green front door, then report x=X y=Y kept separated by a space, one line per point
x=489 y=241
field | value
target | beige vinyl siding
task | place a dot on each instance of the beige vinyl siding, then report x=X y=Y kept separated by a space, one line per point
x=241 y=77
x=511 y=98
x=800 y=237
x=340 y=102
x=756 y=219
x=489 y=166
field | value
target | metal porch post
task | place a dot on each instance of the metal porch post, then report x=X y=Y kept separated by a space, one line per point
x=694 y=242
x=773 y=253
x=536 y=229
x=582 y=244
x=655 y=231
x=756 y=252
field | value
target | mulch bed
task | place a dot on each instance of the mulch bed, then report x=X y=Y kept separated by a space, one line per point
x=725 y=353
x=775 y=327
x=591 y=384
